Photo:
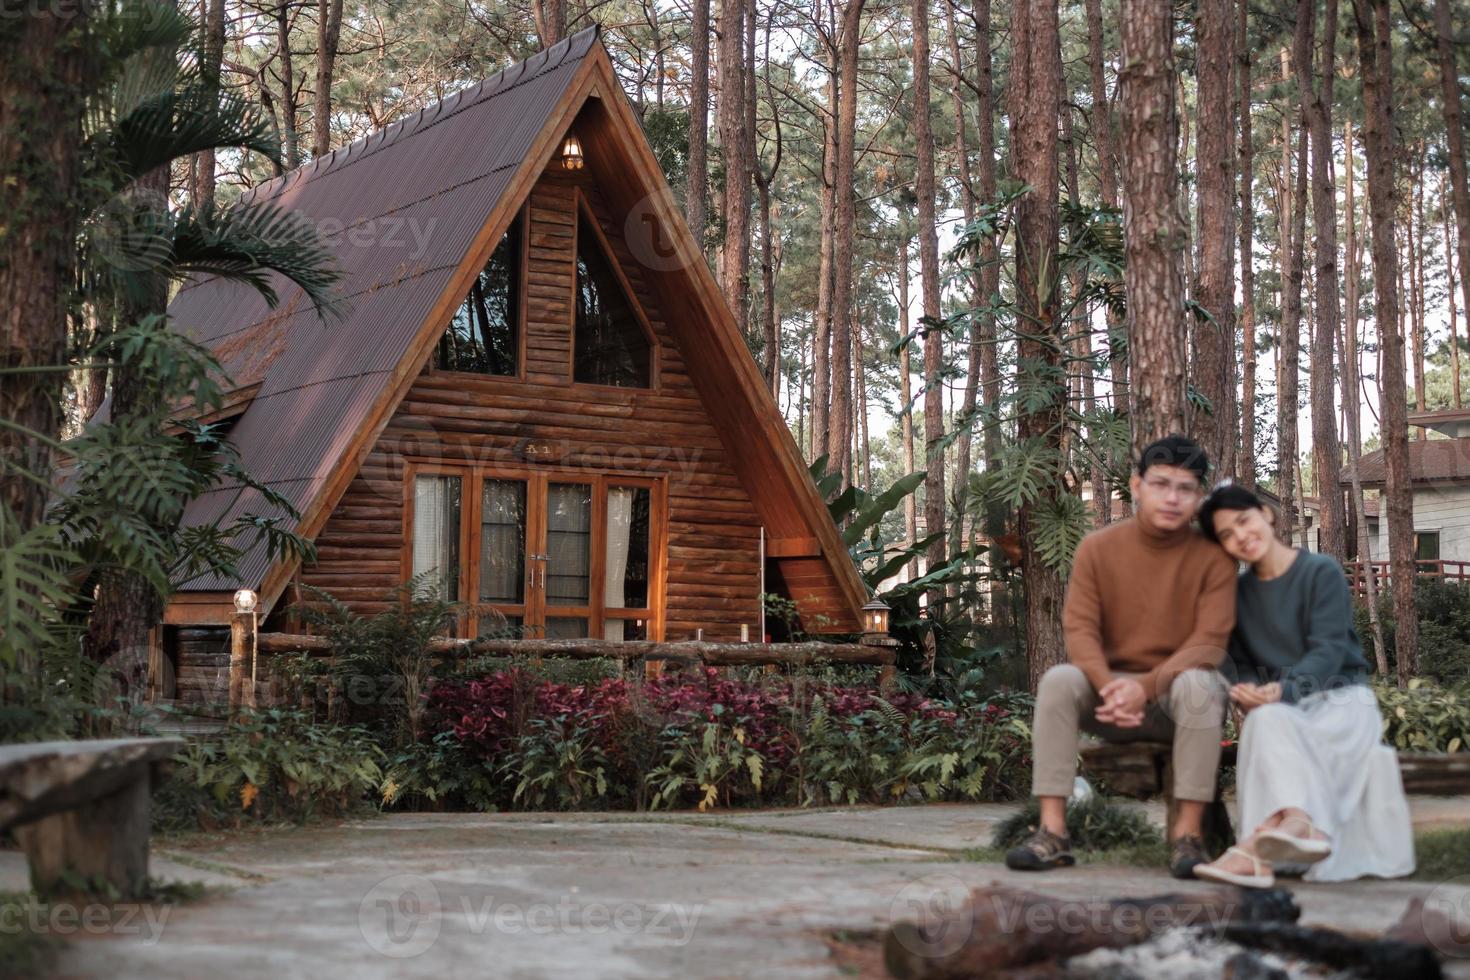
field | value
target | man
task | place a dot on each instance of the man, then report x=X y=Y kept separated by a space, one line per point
x=1149 y=609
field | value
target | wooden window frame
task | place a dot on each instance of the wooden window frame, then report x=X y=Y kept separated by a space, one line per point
x=523 y=272
x=585 y=214
x=473 y=477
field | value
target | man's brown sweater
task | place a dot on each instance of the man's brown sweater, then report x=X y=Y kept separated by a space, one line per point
x=1139 y=601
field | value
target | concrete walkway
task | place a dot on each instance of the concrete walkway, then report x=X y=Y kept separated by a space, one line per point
x=732 y=894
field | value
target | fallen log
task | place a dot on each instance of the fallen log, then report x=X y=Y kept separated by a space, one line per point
x=1002 y=929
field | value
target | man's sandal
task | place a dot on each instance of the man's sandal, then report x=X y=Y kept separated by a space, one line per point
x=1277 y=846
x=1261 y=878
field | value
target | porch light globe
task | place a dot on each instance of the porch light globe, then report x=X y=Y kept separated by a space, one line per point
x=245 y=601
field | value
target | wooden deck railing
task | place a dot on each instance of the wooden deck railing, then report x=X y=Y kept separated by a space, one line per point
x=1449 y=571
x=248 y=649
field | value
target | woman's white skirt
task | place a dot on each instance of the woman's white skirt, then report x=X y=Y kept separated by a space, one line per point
x=1325 y=755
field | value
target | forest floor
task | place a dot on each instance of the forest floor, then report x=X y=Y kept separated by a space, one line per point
x=734 y=893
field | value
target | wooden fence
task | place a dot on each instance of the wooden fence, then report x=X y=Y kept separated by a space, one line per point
x=1449 y=571
x=249 y=648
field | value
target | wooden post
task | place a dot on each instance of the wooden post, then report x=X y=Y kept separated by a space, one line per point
x=241 y=635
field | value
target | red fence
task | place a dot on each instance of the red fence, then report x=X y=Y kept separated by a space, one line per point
x=1449 y=571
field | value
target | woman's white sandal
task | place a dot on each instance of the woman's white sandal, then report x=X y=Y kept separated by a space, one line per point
x=1282 y=848
x=1260 y=878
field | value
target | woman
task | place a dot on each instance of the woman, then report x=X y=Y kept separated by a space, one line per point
x=1313 y=777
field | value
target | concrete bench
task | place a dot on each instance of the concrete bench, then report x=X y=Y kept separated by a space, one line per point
x=80 y=810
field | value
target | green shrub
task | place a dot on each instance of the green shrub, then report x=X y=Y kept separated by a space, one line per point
x=1444 y=629
x=558 y=765
x=1426 y=717
x=1094 y=824
x=273 y=765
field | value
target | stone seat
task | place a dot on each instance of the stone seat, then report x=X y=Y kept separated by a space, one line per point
x=80 y=810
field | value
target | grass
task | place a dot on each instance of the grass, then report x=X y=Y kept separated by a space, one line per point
x=1442 y=854
x=1095 y=824
x=24 y=951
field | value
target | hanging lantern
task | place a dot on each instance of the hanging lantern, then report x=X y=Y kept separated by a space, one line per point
x=571 y=153
x=875 y=620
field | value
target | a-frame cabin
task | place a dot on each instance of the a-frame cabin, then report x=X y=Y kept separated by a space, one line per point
x=537 y=395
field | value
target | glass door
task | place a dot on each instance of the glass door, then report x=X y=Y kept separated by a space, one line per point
x=566 y=582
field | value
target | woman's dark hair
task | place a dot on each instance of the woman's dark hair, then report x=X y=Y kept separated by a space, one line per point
x=1229 y=496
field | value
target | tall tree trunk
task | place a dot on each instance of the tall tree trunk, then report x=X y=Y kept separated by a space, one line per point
x=932 y=330
x=839 y=432
x=1247 y=466
x=1214 y=342
x=551 y=21
x=1449 y=80
x=1416 y=278
x=1375 y=54
x=290 y=130
x=1291 y=312
x=735 y=253
x=696 y=188
x=1084 y=392
x=46 y=66
x=826 y=281
x=1326 y=450
x=770 y=323
x=328 y=32
x=905 y=392
x=1034 y=104
x=1154 y=231
x=1450 y=273
x=966 y=417
x=1353 y=413
x=201 y=189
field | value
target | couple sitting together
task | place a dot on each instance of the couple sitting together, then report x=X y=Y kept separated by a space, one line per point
x=1162 y=634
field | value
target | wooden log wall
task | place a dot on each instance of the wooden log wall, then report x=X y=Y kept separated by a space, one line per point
x=713 y=567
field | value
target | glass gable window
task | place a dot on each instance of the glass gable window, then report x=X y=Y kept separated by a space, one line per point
x=611 y=347
x=484 y=335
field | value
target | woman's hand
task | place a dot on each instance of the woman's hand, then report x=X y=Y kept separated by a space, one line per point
x=1249 y=696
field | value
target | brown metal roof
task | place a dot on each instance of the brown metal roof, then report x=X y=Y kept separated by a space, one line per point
x=1430 y=461
x=399 y=208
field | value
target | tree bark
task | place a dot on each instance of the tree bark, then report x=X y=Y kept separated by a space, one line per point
x=1291 y=308
x=839 y=431
x=1214 y=342
x=1326 y=449
x=696 y=188
x=46 y=65
x=290 y=132
x=1455 y=138
x=1034 y=104
x=202 y=185
x=1353 y=412
x=1247 y=467
x=1375 y=55
x=822 y=328
x=551 y=21
x=770 y=322
x=931 y=330
x=328 y=32
x=966 y=418
x=1450 y=273
x=906 y=396
x=989 y=354
x=1154 y=230
x=735 y=252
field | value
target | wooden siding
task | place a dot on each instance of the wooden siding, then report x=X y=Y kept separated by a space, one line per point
x=712 y=576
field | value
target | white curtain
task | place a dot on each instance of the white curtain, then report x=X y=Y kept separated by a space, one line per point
x=568 y=543
x=619 y=528
x=502 y=539
x=436 y=532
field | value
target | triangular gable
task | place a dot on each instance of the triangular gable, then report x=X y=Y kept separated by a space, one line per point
x=328 y=395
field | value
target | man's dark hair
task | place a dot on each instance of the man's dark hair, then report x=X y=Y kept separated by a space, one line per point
x=1231 y=496
x=1175 y=450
